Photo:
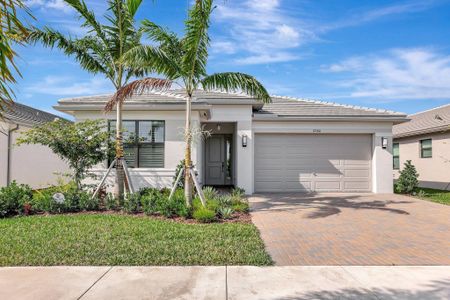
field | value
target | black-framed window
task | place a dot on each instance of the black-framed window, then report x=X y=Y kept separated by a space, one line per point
x=396 y=155
x=426 y=150
x=143 y=143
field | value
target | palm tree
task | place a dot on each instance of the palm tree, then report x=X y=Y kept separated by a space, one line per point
x=11 y=29
x=100 y=51
x=184 y=60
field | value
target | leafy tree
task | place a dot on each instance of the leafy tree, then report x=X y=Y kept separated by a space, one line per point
x=82 y=145
x=408 y=179
x=101 y=51
x=11 y=30
x=184 y=60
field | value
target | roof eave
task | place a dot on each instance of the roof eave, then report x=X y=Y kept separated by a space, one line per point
x=439 y=129
x=392 y=118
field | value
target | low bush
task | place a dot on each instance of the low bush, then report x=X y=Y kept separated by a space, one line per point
x=225 y=212
x=111 y=203
x=242 y=207
x=204 y=215
x=132 y=203
x=210 y=193
x=14 y=198
x=173 y=207
x=408 y=180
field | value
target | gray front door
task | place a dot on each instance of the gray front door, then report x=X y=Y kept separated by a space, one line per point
x=215 y=160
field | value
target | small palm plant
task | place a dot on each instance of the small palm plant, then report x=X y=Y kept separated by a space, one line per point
x=184 y=60
x=101 y=51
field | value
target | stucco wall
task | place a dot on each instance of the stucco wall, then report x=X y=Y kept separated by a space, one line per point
x=241 y=117
x=435 y=171
x=34 y=165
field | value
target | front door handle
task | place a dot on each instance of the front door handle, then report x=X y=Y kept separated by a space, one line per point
x=223 y=165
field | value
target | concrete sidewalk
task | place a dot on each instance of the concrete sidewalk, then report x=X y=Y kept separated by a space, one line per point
x=302 y=282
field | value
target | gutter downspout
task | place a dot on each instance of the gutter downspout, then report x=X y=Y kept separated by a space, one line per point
x=8 y=163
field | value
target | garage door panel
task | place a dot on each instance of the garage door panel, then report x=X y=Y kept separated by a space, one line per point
x=327 y=162
x=362 y=173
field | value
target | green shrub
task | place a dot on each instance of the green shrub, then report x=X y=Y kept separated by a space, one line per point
x=86 y=202
x=131 y=203
x=148 y=191
x=173 y=207
x=226 y=212
x=225 y=201
x=241 y=207
x=421 y=194
x=111 y=203
x=204 y=215
x=13 y=198
x=43 y=202
x=238 y=192
x=210 y=192
x=408 y=179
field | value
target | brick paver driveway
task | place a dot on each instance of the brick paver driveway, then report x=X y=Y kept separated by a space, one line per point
x=352 y=229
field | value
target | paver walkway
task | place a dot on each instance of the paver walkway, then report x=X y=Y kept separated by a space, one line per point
x=352 y=229
x=230 y=283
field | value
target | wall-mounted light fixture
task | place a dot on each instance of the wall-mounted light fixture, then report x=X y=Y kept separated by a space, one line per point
x=218 y=127
x=244 y=140
x=384 y=142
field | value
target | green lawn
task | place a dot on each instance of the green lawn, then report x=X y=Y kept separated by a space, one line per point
x=126 y=240
x=438 y=196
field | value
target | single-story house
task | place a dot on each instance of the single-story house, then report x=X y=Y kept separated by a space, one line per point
x=425 y=140
x=34 y=165
x=290 y=145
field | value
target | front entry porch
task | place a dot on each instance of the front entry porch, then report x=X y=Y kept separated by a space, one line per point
x=219 y=153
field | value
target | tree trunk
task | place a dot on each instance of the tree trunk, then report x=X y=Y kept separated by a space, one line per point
x=120 y=175
x=187 y=155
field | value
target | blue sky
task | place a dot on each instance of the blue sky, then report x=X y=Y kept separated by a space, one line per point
x=384 y=54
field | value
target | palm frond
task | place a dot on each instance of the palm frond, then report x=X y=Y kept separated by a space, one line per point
x=90 y=20
x=234 y=82
x=150 y=59
x=137 y=87
x=133 y=6
x=196 y=40
x=51 y=38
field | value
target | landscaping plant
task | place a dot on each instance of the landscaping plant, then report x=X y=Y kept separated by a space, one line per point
x=14 y=199
x=82 y=145
x=408 y=181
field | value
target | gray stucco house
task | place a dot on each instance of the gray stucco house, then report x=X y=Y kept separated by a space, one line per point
x=289 y=145
x=425 y=140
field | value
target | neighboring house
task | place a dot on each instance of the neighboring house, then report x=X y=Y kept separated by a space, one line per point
x=425 y=140
x=289 y=145
x=34 y=165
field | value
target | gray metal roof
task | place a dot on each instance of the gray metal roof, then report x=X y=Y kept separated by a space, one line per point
x=26 y=115
x=429 y=121
x=281 y=107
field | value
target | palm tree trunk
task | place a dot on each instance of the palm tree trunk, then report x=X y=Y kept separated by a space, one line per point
x=187 y=155
x=120 y=175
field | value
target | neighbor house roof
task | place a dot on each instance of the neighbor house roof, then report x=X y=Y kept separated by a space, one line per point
x=286 y=108
x=25 y=115
x=429 y=121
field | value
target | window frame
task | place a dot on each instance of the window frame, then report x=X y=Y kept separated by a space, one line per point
x=421 y=148
x=396 y=156
x=137 y=144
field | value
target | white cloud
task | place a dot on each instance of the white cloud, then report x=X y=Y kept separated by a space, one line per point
x=413 y=73
x=223 y=47
x=67 y=86
x=58 y=5
x=266 y=31
x=261 y=31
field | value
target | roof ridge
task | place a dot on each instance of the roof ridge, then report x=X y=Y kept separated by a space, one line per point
x=428 y=110
x=340 y=104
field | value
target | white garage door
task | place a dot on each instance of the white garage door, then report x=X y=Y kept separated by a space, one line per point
x=303 y=162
